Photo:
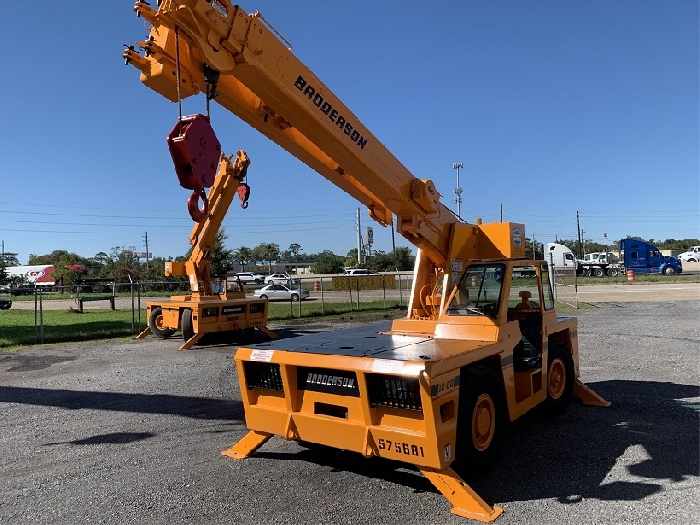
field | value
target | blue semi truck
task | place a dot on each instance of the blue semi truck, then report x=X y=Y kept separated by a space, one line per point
x=642 y=257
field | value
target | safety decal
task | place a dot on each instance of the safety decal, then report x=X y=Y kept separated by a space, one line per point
x=262 y=355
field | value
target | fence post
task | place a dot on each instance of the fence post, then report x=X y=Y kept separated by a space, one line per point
x=323 y=303
x=384 y=290
x=36 y=316
x=138 y=302
x=41 y=314
x=133 y=314
x=400 y=291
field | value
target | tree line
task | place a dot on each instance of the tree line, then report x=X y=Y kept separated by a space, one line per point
x=122 y=265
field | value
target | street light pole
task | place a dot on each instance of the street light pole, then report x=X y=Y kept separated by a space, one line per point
x=458 y=189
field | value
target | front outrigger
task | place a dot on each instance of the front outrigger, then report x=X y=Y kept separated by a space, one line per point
x=481 y=343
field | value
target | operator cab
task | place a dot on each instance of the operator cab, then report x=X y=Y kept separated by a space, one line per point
x=527 y=292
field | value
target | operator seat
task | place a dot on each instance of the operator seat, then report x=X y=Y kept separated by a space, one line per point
x=525 y=301
x=528 y=352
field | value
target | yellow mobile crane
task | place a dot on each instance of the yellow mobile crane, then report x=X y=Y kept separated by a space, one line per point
x=481 y=343
x=204 y=310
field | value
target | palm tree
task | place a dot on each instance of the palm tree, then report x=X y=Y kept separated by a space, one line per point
x=294 y=249
x=242 y=256
x=271 y=253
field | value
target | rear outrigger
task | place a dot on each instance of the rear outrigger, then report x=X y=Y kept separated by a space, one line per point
x=481 y=343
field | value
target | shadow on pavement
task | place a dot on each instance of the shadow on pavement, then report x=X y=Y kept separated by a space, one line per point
x=193 y=407
x=620 y=453
x=113 y=438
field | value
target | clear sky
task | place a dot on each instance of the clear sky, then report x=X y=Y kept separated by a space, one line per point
x=552 y=107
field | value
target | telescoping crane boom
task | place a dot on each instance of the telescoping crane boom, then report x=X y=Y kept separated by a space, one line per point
x=480 y=345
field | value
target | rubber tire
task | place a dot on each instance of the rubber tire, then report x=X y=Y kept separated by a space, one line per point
x=186 y=326
x=295 y=297
x=558 y=396
x=612 y=272
x=263 y=296
x=258 y=281
x=153 y=324
x=669 y=270
x=471 y=460
x=586 y=272
x=598 y=272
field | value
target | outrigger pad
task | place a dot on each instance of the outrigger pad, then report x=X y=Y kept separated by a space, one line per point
x=195 y=151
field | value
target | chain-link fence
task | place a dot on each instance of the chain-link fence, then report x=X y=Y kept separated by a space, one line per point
x=99 y=310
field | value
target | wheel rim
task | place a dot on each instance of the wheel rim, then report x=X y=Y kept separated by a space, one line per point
x=159 y=323
x=483 y=422
x=556 y=382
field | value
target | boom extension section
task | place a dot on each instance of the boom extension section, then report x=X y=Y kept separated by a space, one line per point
x=264 y=84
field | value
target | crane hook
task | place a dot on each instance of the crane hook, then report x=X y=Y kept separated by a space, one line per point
x=198 y=214
x=243 y=194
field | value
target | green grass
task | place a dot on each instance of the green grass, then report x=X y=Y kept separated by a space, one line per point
x=638 y=278
x=17 y=326
x=61 y=326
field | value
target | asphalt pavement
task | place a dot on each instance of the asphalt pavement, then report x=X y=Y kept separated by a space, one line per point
x=124 y=432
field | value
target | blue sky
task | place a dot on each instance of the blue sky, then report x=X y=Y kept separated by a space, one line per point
x=552 y=107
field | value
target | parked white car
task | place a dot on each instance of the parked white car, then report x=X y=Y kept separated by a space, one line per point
x=280 y=292
x=283 y=278
x=692 y=255
x=357 y=271
x=251 y=278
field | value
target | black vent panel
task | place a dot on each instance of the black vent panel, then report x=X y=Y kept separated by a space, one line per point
x=394 y=392
x=263 y=375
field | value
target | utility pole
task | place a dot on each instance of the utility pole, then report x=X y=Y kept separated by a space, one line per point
x=359 y=237
x=458 y=189
x=147 y=254
x=501 y=212
x=578 y=227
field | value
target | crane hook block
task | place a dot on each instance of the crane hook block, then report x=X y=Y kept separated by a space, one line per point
x=243 y=194
x=195 y=151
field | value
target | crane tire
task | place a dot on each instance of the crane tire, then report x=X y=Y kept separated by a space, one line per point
x=155 y=323
x=480 y=422
x=186 y=325
x=560 y=380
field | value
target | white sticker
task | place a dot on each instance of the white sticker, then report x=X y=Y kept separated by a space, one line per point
x=220 y=8
x=448 y=453
x=262 y=355
x=387 y=365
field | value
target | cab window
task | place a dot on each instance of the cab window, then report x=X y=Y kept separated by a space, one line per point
x=524 y=290
x=479 y=291
x=547 y=291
